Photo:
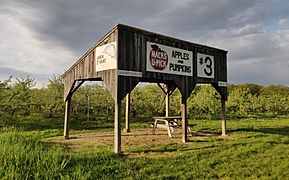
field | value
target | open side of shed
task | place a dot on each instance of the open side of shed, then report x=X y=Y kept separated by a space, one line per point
x=127 y=55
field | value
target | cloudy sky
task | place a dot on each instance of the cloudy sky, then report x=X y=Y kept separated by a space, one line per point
x=42 y=38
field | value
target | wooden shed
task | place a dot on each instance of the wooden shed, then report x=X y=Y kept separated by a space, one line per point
x=127 y=55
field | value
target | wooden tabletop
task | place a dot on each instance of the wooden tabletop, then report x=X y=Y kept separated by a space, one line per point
x=168 y=118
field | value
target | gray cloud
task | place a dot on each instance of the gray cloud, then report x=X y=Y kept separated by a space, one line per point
x=57 y=32
x=78 y=24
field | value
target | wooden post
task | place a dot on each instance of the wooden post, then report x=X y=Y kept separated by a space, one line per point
x=167 y=101
x=127 y=113
x=167 y=92
x=87 y=108
x=184 y=119
x=67 y=117
x=223 y=117
x=117 y=127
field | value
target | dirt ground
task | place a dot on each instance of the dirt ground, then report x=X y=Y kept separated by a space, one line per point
x=129 y=141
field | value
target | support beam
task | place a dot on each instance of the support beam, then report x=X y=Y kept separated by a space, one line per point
x=184 y=119
x=76 y=85
x=88 y=107
x=127 y=113
x=117 y=127
x=168 y=91
x=167 y=102
x=223 y=117
x=162 y=88
x=67 y=117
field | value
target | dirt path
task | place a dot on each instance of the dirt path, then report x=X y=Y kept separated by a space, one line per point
x=130 y=141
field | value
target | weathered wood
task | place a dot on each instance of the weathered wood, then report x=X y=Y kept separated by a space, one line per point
x=117 y=127
x=127 y=113
x=223 y=117
x=167 y=103
x=84 y=68
x=132 y=57
x=167 y=94
x=67 y=117
x=184 y=119
x=77 y=84
x=162 y=88
x=132 y=53
x=168 y=91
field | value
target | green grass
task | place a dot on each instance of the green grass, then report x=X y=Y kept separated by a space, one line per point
x=26 y=157
x=254 y=149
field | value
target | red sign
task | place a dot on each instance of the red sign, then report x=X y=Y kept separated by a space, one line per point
x=158 y=58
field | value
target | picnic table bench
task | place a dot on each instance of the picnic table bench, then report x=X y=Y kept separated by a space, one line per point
x=168 y=123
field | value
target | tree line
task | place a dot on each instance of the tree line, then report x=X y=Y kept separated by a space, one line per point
x=19 y=97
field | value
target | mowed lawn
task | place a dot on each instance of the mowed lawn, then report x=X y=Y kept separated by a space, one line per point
x=253 y=149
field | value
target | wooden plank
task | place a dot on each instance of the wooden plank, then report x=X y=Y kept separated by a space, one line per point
x=166 y=91
x=102 y=41
x=132 y=56
x=109 y=77
x=67 y=117
x=117 y=127
x=84 y=68
x=127 y=113
x=184 y=120
x=167 y=103
x=76 y=86
x=167 y=118
x=223 y=117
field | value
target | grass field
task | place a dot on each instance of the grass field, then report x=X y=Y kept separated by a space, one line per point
x=32 y=148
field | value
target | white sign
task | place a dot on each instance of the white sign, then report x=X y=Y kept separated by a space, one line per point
x=205 y=66
x=106 y=57
x=222 y=83
x=170 y=60
x=129 y=73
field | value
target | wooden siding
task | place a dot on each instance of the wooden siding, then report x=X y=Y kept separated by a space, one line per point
x=132 y=57
x=84 y=68
x=131 y=44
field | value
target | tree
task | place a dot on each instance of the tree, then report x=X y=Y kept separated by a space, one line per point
x=276 y=99
x=20 y=96
x=243 y=99
x=49 y=101
x=205 y=102
x=148 y=100
x=92 y=100
x=5 y=88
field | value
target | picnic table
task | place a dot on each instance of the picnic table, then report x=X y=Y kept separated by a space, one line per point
x=168 y=123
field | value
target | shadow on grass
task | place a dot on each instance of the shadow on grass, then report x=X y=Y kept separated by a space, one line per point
x=279 y=131
x=170 y=149
x=34 y=123
x=205 y=133
x=41 y=124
